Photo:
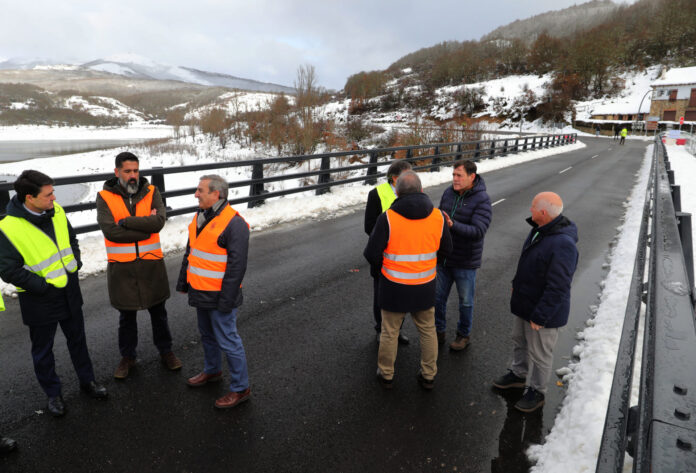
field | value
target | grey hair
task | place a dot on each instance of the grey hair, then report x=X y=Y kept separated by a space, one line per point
x=408 y=182
x=216 y=183
x=551 y=209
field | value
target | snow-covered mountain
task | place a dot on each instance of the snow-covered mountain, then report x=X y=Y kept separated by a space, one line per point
x=139 y=67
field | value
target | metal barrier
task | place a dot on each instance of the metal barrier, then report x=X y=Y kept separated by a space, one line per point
x=436 y=155
x=660 y=432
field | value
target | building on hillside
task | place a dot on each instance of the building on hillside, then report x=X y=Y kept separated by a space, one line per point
x=674 y=96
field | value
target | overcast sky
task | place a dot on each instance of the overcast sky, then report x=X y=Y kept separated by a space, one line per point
x=255 y=39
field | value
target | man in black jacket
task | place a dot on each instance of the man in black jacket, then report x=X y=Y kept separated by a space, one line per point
x=379 y=200
x=46 y=300
x=403 y=249
x=211 y=273
x=540 y=298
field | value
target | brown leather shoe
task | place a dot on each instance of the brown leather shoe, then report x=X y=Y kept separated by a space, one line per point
x=124 y=367
x=171 y=361
x=202 y=378
x=232 y=398
x=460 y=343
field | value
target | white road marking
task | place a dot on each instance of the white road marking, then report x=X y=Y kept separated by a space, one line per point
x=594 y=156
x=566 y=169
x=497 y=202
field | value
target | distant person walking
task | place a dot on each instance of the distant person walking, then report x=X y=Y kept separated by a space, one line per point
x=403 y=248
x=6 y=444
x=624 y=133
x=379 y=200
x=468 y=212
x=40 y=255
x=540 y=298
x=598 y=129
x=211 y=273
x=130 y=214
x=617 y=131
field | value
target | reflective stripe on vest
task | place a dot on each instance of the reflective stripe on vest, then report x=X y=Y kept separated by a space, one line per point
x=386 y=195
x=148 y=249
x=42 y=256
x=411 y=253
x=207 y=261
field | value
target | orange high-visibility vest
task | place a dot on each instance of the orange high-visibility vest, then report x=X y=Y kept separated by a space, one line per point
x=207 y=261
x=411 y=253
x=150 y=248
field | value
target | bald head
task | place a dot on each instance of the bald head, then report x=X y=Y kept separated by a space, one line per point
x=545 y=207
x=408 y=182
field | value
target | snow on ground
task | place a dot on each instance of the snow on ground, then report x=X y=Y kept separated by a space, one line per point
x=341 y=199
x=684 y=166
x=573 y=443
x=43 y=132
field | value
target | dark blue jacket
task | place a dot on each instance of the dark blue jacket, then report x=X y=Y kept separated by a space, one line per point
x=234 y=238
x=541 y=286
x=42 y=303
x=471 y=213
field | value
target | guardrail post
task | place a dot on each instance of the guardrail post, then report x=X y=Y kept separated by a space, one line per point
x=477 y=153
x=459 y=152
x=505 y=148
x=436 y=159
x=324 y=178
x=670 y=177
x=4 y=200
x=676 y=197
x=684 y=225
x=158 y=182
x=492 y=154
x=517 y=145
x=256 y=189
x=372 y=170
x=524 y=147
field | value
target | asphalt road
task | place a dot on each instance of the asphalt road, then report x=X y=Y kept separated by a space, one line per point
x=307 y=327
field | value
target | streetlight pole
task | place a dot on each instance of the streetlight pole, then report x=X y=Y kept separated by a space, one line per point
x=645 y=122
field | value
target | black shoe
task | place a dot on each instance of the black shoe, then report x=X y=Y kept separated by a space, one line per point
x=428 y=384
x=531 y=401
x=509 y=380
x=55 y=406
x=403 y=339
x=7 y=445
x=386 y=383
x=94 y=390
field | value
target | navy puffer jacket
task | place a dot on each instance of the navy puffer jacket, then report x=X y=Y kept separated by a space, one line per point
x=471 y=213
x=541 y=286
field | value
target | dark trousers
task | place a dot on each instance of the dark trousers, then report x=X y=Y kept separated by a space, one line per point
x=42 y=337
x=128 y=331
x=375 y=304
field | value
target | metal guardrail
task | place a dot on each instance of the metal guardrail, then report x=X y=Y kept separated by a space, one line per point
x=436 y=155
x=660 y=432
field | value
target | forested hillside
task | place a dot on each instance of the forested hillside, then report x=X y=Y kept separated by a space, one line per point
x=583 y=65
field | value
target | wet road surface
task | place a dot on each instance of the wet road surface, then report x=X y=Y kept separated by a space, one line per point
x=306 y=323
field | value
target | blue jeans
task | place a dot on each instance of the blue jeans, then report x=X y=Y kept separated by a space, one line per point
x=219 y=334
x=465 y=279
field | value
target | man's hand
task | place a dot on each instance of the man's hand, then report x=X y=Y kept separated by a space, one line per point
x=534 y=326
x=153 y=212
x=449 y=220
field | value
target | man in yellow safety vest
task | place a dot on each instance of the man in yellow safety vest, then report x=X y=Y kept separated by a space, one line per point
x=40 y=255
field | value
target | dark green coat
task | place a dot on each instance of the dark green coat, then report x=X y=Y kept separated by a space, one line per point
x=139 y=284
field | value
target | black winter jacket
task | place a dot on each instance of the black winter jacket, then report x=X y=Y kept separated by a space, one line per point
x=235 y=238
x=393 y=296
x=471 y=213
x=41 y=303
x=541 y=286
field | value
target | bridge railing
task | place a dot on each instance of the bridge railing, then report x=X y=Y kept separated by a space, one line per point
x=660 y=432
x=424 y=157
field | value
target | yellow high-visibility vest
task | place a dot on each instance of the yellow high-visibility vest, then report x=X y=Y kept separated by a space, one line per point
x=386 y=195
x=2 y=303
x=41 y=254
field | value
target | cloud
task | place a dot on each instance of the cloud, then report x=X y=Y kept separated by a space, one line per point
x=263 y=40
